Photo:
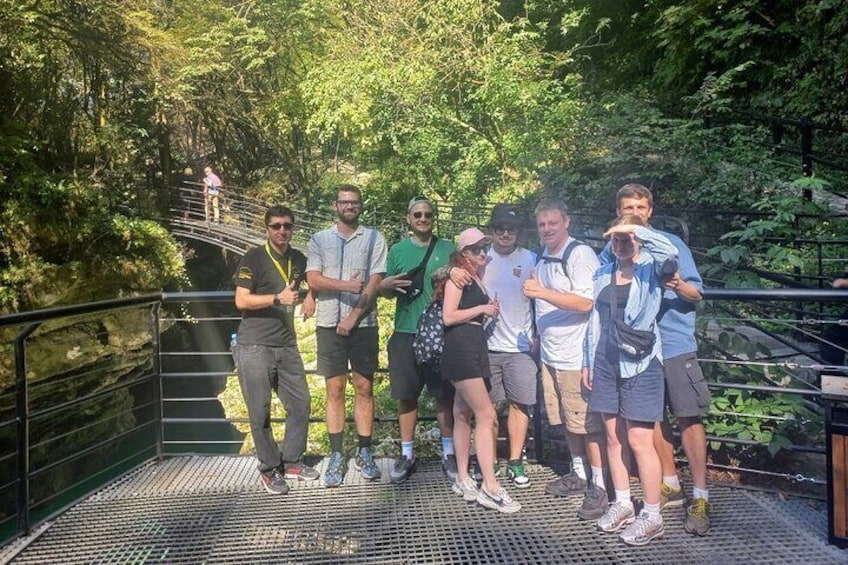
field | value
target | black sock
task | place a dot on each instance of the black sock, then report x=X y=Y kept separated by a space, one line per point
x=336 y=442
x=364 y=441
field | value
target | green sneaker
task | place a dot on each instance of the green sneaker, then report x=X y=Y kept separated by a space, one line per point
x=671 y=497
x=515 y=472
x=698 y=517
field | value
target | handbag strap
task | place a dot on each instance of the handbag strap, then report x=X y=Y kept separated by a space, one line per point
x=423 y=263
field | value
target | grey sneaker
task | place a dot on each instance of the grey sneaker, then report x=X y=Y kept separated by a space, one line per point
x=336 y=468
x=467 y=489
x=515 y=472
x=671 y=497
x=501 y=501
x=595 y=503
x=449 y=467
x=616 y=517
x=567 y=485
x=274 y=482
x=364 y=463
x=643 y=530
x=697 y=517
x=301 y=471
x=402 y=469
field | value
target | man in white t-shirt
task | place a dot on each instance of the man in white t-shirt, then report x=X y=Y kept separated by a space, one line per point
x=562 y=291
x=511 y=334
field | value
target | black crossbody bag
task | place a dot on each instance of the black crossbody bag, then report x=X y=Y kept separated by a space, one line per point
x=416 y=275
x=634 y=344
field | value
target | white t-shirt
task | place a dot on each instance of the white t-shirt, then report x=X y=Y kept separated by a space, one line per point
x=512 y=330
x=561 y=332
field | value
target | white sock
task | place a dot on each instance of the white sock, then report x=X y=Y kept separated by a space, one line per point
x=578 y=466
x=406 y=448
x=701 y=493
x=447 y=446
x=598 y=477
x=652 y=510
x=672 y=481
x=623 y=497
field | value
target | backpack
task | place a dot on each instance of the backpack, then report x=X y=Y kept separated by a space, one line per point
x=429 y=340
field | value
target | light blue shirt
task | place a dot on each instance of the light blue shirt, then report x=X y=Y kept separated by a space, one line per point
x=643 y=302
x=677 y=316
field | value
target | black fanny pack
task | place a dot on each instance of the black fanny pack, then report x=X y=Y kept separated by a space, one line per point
x=635 y=344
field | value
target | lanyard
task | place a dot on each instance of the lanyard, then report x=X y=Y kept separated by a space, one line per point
x=279 y=267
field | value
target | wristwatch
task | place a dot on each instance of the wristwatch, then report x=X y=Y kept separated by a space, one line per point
x=276 y=300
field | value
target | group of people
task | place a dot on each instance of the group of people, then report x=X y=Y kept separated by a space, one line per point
x=613 y=337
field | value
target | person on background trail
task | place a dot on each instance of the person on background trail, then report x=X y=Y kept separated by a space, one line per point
x=212 y=194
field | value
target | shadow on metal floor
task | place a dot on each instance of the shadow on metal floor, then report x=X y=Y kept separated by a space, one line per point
x=212 y=509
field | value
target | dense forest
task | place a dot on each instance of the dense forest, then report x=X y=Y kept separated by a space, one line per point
x=104 y=102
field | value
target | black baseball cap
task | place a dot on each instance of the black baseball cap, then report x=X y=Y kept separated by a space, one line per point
x=505 y=215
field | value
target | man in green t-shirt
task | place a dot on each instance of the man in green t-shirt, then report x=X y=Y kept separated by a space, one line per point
x=413 y=289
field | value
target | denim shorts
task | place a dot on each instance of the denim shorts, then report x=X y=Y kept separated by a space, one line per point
x=640 y=398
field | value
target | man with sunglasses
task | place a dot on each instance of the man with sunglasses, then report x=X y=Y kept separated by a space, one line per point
x=345 y=264
x=267 y=283
x=511 y=336
x=408 y=280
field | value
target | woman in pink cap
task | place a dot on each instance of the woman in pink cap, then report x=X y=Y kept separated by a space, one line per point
x=465 y=364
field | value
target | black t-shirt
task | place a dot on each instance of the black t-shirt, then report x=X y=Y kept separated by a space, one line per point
x=274 y=326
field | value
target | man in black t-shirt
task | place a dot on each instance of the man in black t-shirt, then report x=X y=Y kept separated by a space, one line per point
x=267 y=290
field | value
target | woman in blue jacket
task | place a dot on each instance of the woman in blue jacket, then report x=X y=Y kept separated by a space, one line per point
x=624 y=369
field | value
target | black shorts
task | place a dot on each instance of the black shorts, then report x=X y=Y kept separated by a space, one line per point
x=686 y=390
x=408 y=378
x=466 y=354
x=338 y=354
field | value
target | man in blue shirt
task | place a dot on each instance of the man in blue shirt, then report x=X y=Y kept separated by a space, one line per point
x=686 y=390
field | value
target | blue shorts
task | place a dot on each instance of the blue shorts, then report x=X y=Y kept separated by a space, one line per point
x=640 y=398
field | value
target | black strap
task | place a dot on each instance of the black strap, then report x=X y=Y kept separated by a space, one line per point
x=574 y=243
x=423 y=263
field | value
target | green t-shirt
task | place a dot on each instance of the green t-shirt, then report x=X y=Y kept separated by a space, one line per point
x=405 y=256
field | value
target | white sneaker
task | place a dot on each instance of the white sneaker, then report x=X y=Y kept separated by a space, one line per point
x=467 y=489
x=643 y=529
x=501 y=502
x=616 y=517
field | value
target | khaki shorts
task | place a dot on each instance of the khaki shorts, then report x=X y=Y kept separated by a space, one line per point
x=567 y=402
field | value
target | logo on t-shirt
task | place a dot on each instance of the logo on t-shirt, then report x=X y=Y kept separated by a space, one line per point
x=516 y=271
x=245 y=274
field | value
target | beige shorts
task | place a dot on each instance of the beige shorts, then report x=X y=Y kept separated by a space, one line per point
x=567 y=401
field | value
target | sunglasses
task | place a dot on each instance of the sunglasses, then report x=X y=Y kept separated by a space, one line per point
x=419 y=215
x=500 y=230
x=477 y=249
x=288 y=226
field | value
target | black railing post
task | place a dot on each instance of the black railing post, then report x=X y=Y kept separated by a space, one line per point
x=157 y=380
x=22 y=414
x=807 y=153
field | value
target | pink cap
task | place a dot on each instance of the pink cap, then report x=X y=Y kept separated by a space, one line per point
x=471 y=236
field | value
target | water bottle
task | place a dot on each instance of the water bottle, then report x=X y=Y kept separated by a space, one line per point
x=234 y=349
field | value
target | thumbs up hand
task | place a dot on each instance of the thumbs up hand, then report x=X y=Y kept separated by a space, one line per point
x=288 y=295
x=354 y=285
x=532 y=287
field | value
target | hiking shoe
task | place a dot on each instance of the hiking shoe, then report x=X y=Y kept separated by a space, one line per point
x=643 y=529
x=671 y=497
x=697 y=517
x=595 y=503
x=467 y=489
x=274 y=482
x=616 y=517
x=301 y=471
x=336 y=468
x=449 y=467
x=515 y=472
x=402 y=469
x=501 y=502
x=567 y=485
x=365 y=464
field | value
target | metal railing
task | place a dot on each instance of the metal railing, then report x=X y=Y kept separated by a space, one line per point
x=96 y=389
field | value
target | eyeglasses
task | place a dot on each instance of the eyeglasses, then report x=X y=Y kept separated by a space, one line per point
x=418 y=215
x=288 y=226
x=477 y=249
x=500 y=230
x=349 y=203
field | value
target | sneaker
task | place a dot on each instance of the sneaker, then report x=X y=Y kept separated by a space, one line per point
x=336 y=468
x=467 y=489
x=595 y=503
x=301 y=471
x=449 y=467
x=671 y=497
x=365 y=464
x=500 y=502
x=697 y=517
x=567 y=485
x=402 y=469
x=516 y=474
x=616 y=517
x=274 y=482
x=643 y=530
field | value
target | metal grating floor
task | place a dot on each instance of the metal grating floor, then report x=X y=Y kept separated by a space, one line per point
x=213 y=510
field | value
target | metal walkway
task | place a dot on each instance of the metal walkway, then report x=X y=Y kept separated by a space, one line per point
x=211 y=509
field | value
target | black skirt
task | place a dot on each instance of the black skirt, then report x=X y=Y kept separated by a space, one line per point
x=465 y=354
